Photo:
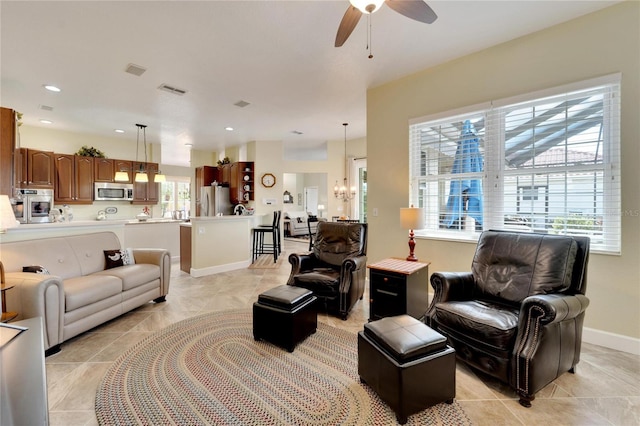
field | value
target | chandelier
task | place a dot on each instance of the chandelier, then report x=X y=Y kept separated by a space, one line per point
x=341 y=192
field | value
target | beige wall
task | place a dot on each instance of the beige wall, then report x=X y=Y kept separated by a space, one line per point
x=270 y=160
x=594 y=45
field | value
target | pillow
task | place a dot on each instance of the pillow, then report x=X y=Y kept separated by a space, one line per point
x=115 y=258
x=36 y=269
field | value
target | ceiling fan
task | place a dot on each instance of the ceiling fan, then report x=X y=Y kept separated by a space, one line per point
x=414 y=9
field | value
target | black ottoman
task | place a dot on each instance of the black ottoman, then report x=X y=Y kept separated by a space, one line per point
x=285 y=316
x=407 y=364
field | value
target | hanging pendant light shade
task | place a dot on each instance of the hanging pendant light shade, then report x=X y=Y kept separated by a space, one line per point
x=159 y=177
x=121 y=177
x=141 y=174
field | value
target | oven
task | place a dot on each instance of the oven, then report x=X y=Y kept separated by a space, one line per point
x=32 y=205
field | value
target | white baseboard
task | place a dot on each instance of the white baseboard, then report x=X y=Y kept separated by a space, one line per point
x=210 y=270
x=611 y=340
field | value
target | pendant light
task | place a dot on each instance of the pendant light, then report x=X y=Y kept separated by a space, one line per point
x=342 y=193
x=121 y=176
x=141 y=174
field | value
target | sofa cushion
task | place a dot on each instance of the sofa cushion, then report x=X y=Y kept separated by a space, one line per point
x=512 y=266
x=83 y=291
x=324 y=282
x=133 y=275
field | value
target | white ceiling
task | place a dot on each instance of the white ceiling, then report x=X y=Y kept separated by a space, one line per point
x=276 y=55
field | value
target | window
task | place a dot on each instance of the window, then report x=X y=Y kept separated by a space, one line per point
x=175 y=195
x=545 y=162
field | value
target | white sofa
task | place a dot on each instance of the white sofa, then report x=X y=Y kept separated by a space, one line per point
x=79 y=293
x=298 y=223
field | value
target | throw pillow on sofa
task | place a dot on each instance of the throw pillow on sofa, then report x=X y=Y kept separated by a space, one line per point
x=35 y=269
x=115 y=258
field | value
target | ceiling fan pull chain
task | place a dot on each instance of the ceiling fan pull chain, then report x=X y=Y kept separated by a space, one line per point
x=369 y=38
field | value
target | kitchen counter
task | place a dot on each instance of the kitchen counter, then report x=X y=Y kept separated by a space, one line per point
x=132 y=233
x=216 y=244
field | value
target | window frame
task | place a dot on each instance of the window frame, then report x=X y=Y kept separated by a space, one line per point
x=495 y=173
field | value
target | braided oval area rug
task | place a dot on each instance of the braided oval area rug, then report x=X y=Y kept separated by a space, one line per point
x=209 y=370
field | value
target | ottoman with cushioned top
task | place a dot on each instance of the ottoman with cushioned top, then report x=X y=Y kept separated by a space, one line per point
x=285 y=316
x=407 y=364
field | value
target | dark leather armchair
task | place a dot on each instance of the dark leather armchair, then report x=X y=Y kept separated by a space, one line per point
x=518 y=314
x=335 y=270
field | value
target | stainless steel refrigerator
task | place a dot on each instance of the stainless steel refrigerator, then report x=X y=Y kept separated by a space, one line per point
x=215 y=201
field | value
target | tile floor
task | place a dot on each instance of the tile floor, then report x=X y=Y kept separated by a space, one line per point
x=604 y=391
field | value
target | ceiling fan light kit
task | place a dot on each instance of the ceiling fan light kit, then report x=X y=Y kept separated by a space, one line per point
x=367 y=6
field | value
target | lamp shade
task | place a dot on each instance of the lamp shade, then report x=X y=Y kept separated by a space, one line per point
x=141 y=177
x=121 y=177
x=7 y=218
x=412 y=218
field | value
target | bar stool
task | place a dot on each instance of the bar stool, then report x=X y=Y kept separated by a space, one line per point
x=259 y=246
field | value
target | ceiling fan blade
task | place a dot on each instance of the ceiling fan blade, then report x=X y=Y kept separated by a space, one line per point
x=414 y=9
x=348 y=23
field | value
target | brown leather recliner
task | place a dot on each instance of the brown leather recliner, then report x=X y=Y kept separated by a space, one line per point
x=335 y=270
x=518 y=314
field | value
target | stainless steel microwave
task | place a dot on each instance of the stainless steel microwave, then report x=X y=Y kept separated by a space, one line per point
x=106 y=191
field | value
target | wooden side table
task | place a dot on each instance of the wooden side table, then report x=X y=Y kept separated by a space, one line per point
x=6 y=316
x=396 y=287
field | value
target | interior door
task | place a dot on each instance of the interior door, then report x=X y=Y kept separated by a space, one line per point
x=311 y=200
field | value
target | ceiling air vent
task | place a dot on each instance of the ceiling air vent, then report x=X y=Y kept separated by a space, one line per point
x=241 y=104
x=46 y=108
x=296 y=132
x=135 y=69
x=172 y=89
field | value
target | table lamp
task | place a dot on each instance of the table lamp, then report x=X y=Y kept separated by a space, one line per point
x=7 y=218
x=320 y=209
x=412 y=218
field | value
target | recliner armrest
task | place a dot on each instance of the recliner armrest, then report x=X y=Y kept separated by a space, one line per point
x=448 y=286
x=552 y=308
x=452 y=286
x=300 y=262
x=354 y=263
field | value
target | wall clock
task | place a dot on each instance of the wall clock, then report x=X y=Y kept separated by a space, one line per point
x=268 y=180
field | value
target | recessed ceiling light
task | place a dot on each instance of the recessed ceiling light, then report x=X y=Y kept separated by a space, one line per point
x=43 y=121
x=230 y=129
x=119 y=131
x=51 y=88
x=188 y=144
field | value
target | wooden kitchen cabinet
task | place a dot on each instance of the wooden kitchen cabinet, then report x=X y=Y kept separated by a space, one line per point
x=205 y=175
x=241 y=186
x=225 y=174
x=103 y=170
x=124 y=166
x=146 y=192
x=7 y=147
x=34 y=168
x=74 y=179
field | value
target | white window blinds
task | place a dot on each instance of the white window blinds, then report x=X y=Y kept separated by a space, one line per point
x=545 y=162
